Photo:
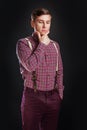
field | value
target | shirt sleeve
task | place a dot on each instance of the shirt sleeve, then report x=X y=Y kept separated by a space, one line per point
x=60 y=74
x=30 y=60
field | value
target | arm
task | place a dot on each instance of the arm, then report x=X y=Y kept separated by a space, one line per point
x=30 y=61
x=60 y=74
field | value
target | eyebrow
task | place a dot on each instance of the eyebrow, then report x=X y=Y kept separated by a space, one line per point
x=42 y=20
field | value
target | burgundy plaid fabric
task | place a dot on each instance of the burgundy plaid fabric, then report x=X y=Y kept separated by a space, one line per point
x=43 y=60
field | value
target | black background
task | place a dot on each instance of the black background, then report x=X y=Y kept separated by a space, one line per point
x=69 y=29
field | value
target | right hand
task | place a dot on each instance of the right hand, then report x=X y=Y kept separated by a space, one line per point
x=44 y=38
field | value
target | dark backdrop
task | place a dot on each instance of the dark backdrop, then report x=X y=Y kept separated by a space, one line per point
x=69 y=29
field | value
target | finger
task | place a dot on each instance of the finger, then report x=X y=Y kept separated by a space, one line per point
x=38 y=34
x=47 y=33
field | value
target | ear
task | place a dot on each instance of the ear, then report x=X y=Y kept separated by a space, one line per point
x=32 y=23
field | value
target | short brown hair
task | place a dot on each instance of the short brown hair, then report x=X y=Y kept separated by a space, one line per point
x=38 y=12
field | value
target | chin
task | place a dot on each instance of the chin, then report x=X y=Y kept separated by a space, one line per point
x=42 y=34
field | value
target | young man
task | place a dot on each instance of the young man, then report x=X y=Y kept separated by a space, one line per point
x=42 y=70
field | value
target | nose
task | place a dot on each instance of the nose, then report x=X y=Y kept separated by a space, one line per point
x=44 y=25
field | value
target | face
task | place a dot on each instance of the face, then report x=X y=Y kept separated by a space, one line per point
x=42 y=24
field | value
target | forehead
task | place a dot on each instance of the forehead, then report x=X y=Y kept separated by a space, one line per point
x=45 y=17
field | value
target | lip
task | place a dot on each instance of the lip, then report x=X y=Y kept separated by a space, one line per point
x=44 y=30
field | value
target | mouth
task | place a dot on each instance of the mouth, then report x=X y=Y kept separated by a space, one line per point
x=44 y=30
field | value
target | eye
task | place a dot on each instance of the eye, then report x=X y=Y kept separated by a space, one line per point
x=40 y=21
x=48 y=22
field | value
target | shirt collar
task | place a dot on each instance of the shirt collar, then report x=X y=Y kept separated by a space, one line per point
x=35 y=37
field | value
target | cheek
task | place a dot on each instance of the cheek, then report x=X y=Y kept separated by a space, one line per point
x=49 y=26
x=38 y=27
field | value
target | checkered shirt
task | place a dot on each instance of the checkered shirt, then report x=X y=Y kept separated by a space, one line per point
x=42 y=59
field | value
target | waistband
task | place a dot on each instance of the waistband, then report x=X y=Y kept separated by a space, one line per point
x=39 y=92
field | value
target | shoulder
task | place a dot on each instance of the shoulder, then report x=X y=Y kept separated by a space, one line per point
x=23 y=40
x=56 y=43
